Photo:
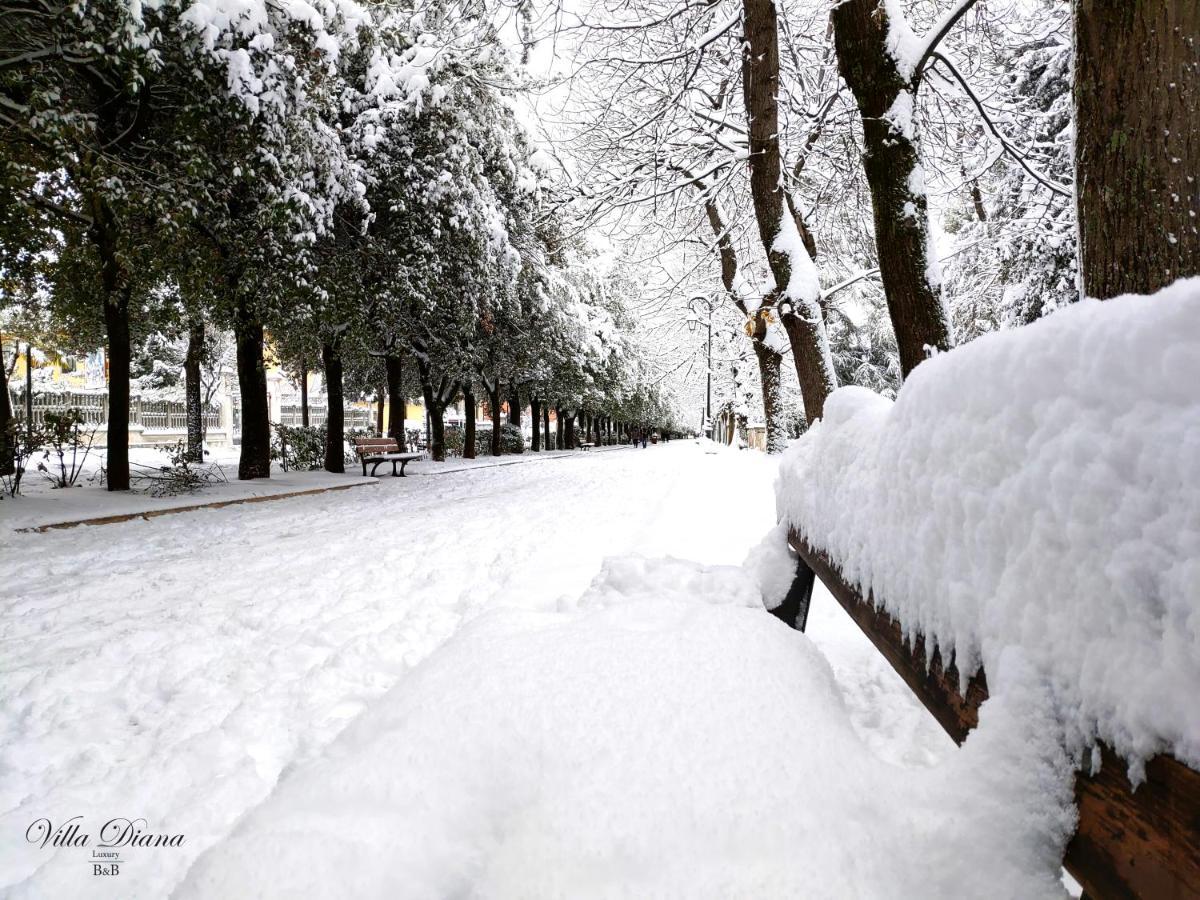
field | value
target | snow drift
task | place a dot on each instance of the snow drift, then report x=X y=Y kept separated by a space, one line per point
x=1038 y=490
x=670 y=742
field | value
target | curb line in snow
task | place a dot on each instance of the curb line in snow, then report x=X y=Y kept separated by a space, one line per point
x=216 y=504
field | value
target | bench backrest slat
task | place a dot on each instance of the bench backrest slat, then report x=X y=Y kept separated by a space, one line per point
x=377 y=445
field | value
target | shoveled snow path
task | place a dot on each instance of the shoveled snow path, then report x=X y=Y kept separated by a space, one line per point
x=172 y=669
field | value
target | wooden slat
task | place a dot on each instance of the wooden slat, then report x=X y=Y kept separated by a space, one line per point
x=1129 y=843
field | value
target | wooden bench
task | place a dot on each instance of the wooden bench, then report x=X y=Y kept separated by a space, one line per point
x=382 y=450
x=586 y=446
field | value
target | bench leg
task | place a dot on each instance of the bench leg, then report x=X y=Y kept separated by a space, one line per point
x=364 y=470
x=393 y=468
x=375 y=468
x=403 y=463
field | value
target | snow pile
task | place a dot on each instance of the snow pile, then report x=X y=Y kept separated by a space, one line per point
x=772 y=565
x=1036 y=489
x=634 y=579
x=643 y=747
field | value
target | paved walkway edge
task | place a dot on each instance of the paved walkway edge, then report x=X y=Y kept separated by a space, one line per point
x=216 y=504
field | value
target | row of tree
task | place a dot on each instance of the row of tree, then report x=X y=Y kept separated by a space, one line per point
x=804 y=141
x=344 y=185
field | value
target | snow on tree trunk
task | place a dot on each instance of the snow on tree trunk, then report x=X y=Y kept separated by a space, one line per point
x=192 y=390
x=801 y=314
x=335 y=418
x=769 y=365
x=876 y=61
x=394 y=366
x=255 y=459
x=1137 y=150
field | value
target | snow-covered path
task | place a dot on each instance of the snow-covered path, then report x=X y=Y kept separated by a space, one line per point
x=172 y=669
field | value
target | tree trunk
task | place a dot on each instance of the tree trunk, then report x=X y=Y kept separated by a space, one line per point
x=379 y=411
x=569 y=433
x=469 y=427
x=116 y=325
x=545 y=423
x=514 y=404
x=1137 y=148
x=437 y=437
x=435 y=409
x=192 y=390
x=303 y=394
x=255 y=460
x=494 y=404
x=801 y=314
x=886 y=98
x=769 y=365
x=534 y=414
x=335 y=417
x=396 y=405
x=7 y=450
x=560 y=428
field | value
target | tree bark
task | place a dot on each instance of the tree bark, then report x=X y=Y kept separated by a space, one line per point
x=886 y=98
x=115 y=293
x=192 y=391
x=769 y=366
x=469 y=427
x=379 y=406
x=255 y=459
x=116 y=323
x=335 y=416
x=560 y=428
x=545 y=423
x=494 y=408
x=1137 y=148
x=569 y=433
x=394 y=365
x=802 y=318
x=436 y=409
x=303 y=394
x=514 y=404
x=7 y=450
x=534 y=414
x=437 y=433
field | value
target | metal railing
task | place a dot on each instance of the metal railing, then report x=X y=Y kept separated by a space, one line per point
x=152 y=415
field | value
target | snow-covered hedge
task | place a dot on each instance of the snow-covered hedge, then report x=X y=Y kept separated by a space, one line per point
x=1036 y=492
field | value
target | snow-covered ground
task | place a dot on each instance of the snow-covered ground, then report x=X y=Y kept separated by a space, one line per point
x=195 y=670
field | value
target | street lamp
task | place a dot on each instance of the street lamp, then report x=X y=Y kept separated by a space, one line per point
x=709 y=305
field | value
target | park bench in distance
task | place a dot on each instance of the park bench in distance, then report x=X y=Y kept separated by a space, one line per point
x=586 y=446
x=379 y=451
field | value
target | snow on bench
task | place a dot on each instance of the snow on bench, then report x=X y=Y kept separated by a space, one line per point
x=1030 y=502
x=586 y=446
x=382 y=450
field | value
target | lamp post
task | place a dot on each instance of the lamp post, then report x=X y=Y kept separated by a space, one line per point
x=708 y=305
